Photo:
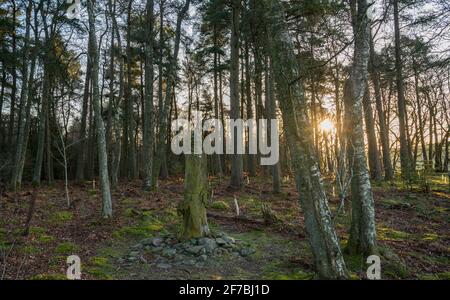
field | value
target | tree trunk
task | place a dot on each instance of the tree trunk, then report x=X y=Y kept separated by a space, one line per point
x=323 y=240
x=218 y=161
x=271 y=108
x=148 y=108
x=248 y=91
x=12 y=110
x=81 y=156
x=129 y=128
x=237 y=176
x=195 y=223
x=384 y=134
x=24 y=102
x=374 y=159
x=42 y=126
x=101 y=140
x=421 y=124
x=404 y=149
x=171 y=78
x=362 y=238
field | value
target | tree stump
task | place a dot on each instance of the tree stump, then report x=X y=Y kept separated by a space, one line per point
x=193 y=207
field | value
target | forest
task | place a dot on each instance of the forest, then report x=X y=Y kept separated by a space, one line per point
x=320 y=127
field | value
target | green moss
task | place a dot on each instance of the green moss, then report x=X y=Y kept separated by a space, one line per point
x=46 y=239
x=128 y=201
x=431 y=237
x=438 y=276
x=30 y=250
x=143 y=229
x=37 y=231
x=100 y=268
x=389 y=234
x=110 y=252
x=99 y=273
x=56 y=261
x=444 y=276
x=220 y=205
x=61 y=217
x=49 y=277
x=66 y=248
x=100 y=261
x=130 y=212
x=299 y=275
x=391 y=264
x=355 y=263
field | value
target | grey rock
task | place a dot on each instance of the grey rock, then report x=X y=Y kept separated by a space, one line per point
x=221 y=241
x=228 y=239
x=209 y=244
x=171 y=241
x=189 y=262
x=132 y=259
x=246 y=252
x=147 y=242
x=195 y=250
x=157 y=242
x=137 y=247
x=134 y=254
x=164 y=266
x=169 y=252
x=220 y=251
x=157 y=249
x=203 y=258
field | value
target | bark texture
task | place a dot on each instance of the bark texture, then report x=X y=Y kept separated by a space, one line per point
x=101 y=139
x=322 y=236
x=362 y=238
x=193 y=207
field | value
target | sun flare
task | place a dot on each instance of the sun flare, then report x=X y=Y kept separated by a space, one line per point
x=326 y=125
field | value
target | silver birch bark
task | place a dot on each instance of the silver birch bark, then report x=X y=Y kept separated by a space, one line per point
x=101 y=140
x=322 y=236
x=362 y=238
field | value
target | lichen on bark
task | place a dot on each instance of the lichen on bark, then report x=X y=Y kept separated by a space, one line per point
x=193 y=206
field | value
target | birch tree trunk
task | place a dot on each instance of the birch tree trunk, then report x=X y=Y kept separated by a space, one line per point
x=362 y=238
x=322 y=236
x=101 y=140
x=117 y=152
x=148 y=120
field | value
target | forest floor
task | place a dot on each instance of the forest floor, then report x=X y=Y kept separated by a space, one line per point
x=412 y=226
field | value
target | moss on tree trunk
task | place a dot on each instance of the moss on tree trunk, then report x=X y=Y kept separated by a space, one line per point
x=193 y=210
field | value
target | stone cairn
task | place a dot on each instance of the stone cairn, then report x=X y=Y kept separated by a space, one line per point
x=169 y=251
